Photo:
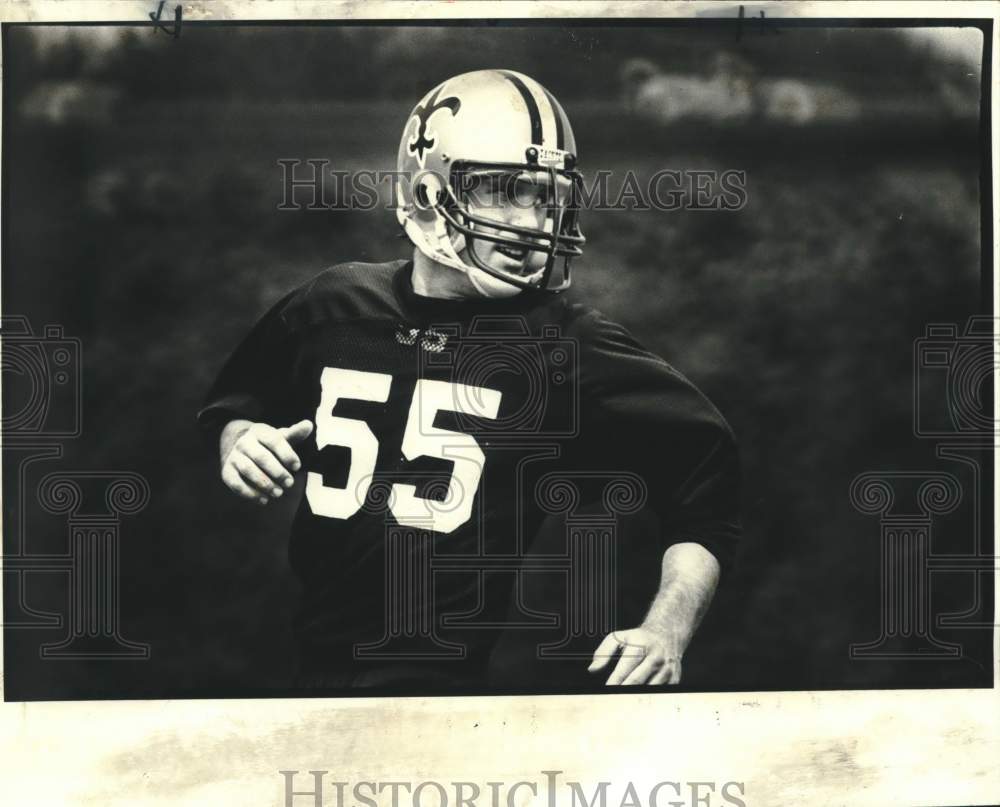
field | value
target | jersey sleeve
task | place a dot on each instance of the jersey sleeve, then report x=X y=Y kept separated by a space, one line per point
x=639 y=414
x=251 y=382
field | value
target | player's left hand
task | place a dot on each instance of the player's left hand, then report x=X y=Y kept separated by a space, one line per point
x=645 y=656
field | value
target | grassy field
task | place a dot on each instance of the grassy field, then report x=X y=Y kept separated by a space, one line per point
x=157 y=241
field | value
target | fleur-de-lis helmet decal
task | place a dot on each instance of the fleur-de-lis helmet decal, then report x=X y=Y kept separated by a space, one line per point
x=424 y=141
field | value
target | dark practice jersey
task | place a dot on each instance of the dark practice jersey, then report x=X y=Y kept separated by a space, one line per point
x=445 y=433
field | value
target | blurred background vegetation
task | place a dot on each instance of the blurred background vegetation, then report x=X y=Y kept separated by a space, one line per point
x=140 y=201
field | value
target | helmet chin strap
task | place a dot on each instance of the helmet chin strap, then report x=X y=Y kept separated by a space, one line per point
x=437 y=247
x=448 y=247
x=453 y=244
x=484 y=283
x=445 y=248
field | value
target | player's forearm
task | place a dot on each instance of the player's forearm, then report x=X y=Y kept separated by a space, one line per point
x=231 y=432
x=689 y=575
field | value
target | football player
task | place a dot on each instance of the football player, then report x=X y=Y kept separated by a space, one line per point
x=425 y=402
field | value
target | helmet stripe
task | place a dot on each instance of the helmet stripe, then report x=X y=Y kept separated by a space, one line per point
x=529 y=101
x=557 y=114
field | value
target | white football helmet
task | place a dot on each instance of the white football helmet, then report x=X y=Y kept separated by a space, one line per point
x=498 y=124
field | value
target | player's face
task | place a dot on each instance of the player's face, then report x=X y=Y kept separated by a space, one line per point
x=524 y=199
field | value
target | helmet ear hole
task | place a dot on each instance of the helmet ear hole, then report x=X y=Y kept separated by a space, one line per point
x=427 y=191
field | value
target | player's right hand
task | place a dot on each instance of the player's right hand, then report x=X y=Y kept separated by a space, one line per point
x=261 y=462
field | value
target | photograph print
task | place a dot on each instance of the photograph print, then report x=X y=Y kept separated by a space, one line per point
x=496 y=357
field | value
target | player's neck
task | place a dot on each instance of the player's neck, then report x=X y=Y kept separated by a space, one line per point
x=431 y=279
